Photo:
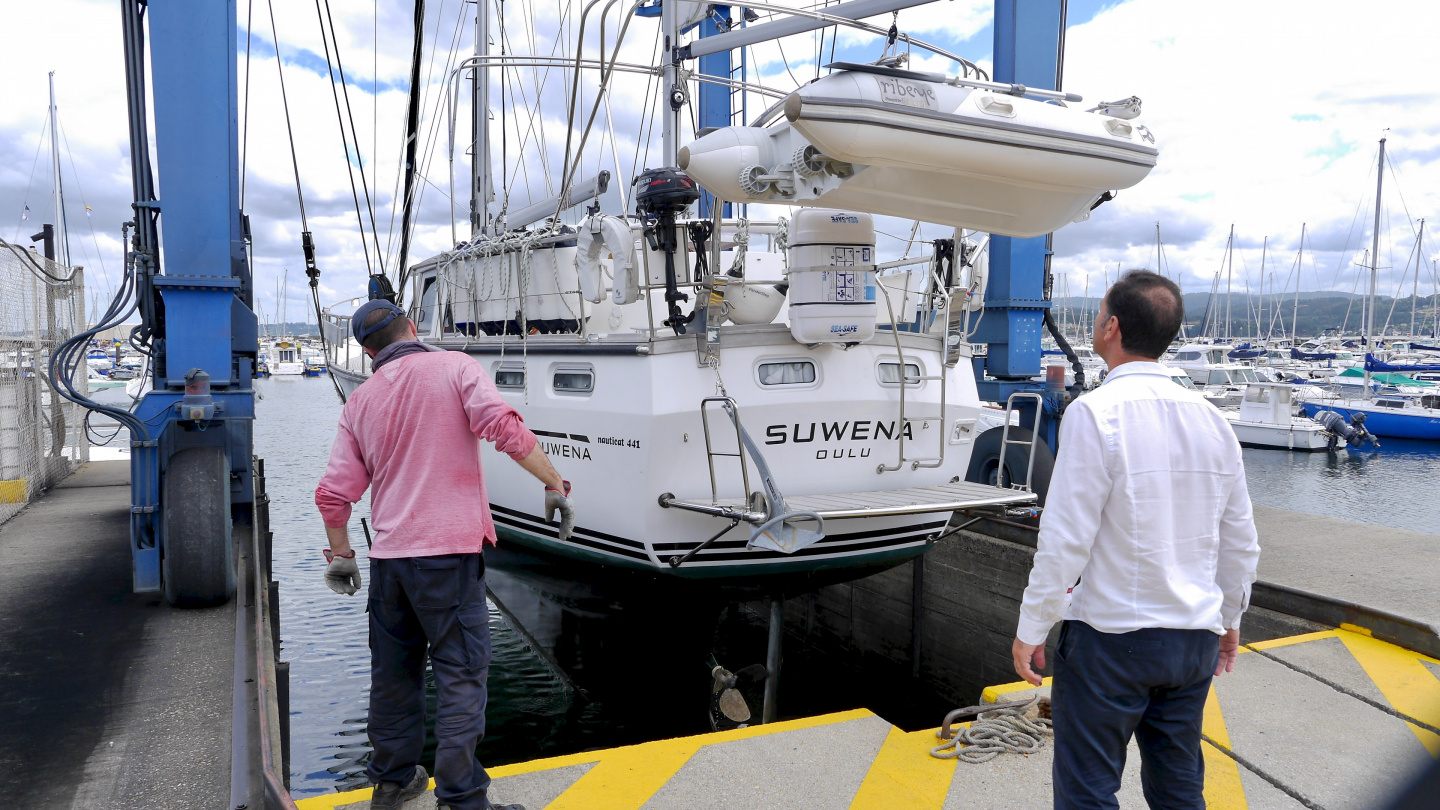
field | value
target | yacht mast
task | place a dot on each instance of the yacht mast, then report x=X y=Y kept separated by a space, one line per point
x=1263 y=324
x=1229 y=278
x=1415 y=285
x=62 y=234
x=674 y=98
x=1374 y=264
x=482 y=190
x=1295 y=312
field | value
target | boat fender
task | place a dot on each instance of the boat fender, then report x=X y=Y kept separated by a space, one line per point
x=605 y=234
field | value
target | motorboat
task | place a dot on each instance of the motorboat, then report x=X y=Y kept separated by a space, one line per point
x=1180 y=378
x=285 y=358
x=1266 y=418
x=928 y=147
x=1223 y=384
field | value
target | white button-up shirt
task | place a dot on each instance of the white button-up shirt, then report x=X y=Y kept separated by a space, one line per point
x=1148 y=509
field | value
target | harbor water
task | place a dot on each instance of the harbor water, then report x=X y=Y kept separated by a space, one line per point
x=575 y=669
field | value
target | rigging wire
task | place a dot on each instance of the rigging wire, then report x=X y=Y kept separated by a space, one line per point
x=89 y=220
x=289 y=130
x=436 y=119
x=354 y=136
x=245 y=118
x=25 y=205
x=344 y=139
x=307 y=244
x=1340 y=263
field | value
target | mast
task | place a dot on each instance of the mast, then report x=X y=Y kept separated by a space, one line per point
x=1262 y=323
x=1295 y=312
x=1229 y=277
x=672 y=103
x=1374 y=263
x=482 y=190
x=62 y=234
x=412 y=135
x=1415 y=286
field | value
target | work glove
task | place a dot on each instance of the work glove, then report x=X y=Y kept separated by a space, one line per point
x=555 y=499
x=342 y=574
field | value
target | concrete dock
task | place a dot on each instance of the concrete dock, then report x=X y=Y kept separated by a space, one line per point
x=110 y=698
x=1334 y=719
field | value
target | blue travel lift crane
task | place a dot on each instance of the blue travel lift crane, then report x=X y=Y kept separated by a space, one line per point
x=191 y=460
x=1030 y=51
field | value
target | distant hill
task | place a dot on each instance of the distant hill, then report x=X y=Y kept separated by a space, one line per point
x=1317 y=312
x=291 y=329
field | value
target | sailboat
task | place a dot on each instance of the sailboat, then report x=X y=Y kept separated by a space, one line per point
x=757 y=403
x=1388 y=412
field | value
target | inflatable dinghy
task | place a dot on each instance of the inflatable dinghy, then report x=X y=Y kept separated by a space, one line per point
x=921 y=146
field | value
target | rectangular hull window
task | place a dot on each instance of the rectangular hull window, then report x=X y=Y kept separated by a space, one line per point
x=789 y=373
x=890 y=374
x=574 y=382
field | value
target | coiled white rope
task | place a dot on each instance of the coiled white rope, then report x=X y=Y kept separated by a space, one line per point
x=995 y=730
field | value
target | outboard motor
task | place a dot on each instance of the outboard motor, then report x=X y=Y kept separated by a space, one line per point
x=661 y=195
x=1352 y=433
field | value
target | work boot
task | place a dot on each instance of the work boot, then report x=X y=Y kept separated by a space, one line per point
x=492 y=807
x=393 y=795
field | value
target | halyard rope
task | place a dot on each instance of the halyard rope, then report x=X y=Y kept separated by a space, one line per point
x=995 y=730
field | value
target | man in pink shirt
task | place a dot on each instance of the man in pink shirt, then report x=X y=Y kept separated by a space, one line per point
x=411 y=433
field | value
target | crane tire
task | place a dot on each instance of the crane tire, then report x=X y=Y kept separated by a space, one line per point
x=198 y=554
x=985 y=461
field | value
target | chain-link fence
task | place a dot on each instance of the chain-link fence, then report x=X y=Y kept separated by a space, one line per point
x=42 y=435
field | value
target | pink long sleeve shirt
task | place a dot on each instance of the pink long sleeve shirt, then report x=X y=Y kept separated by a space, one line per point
x=411 y=432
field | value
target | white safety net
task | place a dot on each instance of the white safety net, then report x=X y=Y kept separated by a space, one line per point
x=42 y=435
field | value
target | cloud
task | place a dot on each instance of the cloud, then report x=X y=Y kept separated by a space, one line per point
x=1260 y=125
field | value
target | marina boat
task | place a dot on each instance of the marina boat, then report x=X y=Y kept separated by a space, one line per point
x=1356 y=382
x=1393 y=416
x=870 y=430
x=1403 y=408
x=99 y=382
x=285 y=358
x=1180 y=378
x=1224 y=384
x=762 y=403
x=1266 y=418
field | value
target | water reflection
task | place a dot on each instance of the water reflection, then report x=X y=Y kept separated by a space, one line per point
x=1395 y=485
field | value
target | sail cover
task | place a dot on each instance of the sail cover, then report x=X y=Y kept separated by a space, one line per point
x=1371 y=364
x=1311 y=357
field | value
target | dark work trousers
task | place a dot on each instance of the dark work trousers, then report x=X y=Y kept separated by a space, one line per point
x=434 y=603
x=1150 y=683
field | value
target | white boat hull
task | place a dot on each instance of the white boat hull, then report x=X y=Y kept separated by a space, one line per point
x=1300 y=434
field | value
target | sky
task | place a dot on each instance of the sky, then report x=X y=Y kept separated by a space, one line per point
x=1267 y=117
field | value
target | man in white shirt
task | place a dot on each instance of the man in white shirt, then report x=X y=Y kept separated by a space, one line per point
x=1147 y=550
